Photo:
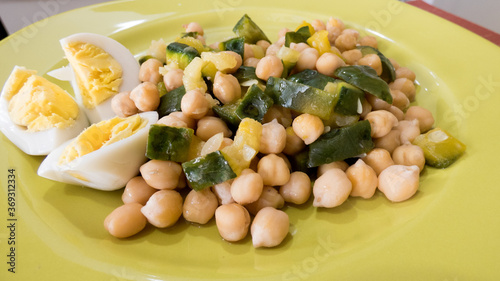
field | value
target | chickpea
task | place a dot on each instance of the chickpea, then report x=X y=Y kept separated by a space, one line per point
x=337 y=164
x=199 y=206
x=263 y=44
x=369 y=41
x=318 y=25
x=194 y=104
x=379 y=159
x=298 y=189
x=307 y=59
x=400 y=115
x=172 y=121
x=123 y=106
x=274 y=170
x=308 y=127
x=409 y=130
x=373 y=61
x=333 y=33
x=150 y=71
x=223 y=192
x=190 y=122
x=285 y=158
x=201 y=38
x=376 y=103
x=382 y=122
x=161 y=174
x=394 y=63
x=423 y=115
x=247 y=52
x=327 y=63
x=226 y=142
x=269 y=227
x=232 y=221
x=273 y=138
x=399 y=99
x=404 y=72
x=138 y=191
x=346 y=41
x=193 y=27
x=409 y=155
x=173 y=79
x=299 y=47
x=125 y=221
x=273 y=50
x=270 y=197
x=251 y=62
x=363 y=178
x=366 y=108
x=164 y=208
x=352 y=32
x=334 y=22
x=226 y=88
x=404 y=85
x=281 y=114
x=269 y=66
x=209 y=126
x=293 y=144
x=398 y=182
x=247 y=188
x=145 y=96
x=331 y=189
x=352 y=56
x=390 y=141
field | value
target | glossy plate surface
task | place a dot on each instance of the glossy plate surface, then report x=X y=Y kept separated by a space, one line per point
x=448 y=231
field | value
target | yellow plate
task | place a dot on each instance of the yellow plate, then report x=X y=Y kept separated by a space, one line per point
x=448 y=231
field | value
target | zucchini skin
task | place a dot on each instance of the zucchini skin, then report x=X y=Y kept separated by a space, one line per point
x=171 y=101
x=254 y=104
x=207 y=170
x=181 y=54
x=388 y=72
x=299 y=36
x=365 y=78
x=227 y=112
x=249 y=30
x=340 y=144
x=169 y=143
x=312 y=78
x=236 y=45
x=246 y=73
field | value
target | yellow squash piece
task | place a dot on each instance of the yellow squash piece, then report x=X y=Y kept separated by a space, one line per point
x=440 y=148
x=319 y=41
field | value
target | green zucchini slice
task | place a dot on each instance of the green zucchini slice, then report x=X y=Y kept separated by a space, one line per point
x=207 y=170
x=169 y=143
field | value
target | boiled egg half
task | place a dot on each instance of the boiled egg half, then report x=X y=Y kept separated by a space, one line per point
x=36 y=114
x=105 y=156
x=99 y=68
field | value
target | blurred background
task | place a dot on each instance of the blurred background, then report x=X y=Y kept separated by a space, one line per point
x=16 y=14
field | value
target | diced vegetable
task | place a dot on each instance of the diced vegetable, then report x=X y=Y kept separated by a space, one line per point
x=312 y=78
x=320 y=42
x=193 y=76
x=340 y=144
x=350 y=98
x=236 y=45
x=254 y=104
x=299 y=36
x=193 y=42
x=245 y=74
x=145 y=58
x=365 y=78
x=289 y=58
x=171 y=101
x=207 y=170
x=388 y=72
x=300 y=97
x=169 y=143
x=300 y=163
x=181 y=54
x=162 y=90
x=440 y=148
x=227 y=112
x=249 y=30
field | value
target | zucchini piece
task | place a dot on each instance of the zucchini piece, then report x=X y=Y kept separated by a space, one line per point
x=289 y=58
x=171 y=102
x=440 y=148
x=300 y=161
x=193 y=34
x=145 y=58
x=169 y=143
x=350 y=98
x=162 y=90
x=365 y=78
x=300 y=97
x=236 y=45
x=207 y=170
x=299 y=36
x=312 y=78
x=254 y=104
x=388 y=72
x=245 y=74
x=340 y=144
x=249 y=30
x=227 y=112
x=181 y=54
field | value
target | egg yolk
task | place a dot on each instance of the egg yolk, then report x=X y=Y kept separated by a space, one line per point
x=98 y=74
x=38 y=104
x=101 y=134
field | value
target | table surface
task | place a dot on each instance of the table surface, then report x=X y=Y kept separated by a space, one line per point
x=16 y=14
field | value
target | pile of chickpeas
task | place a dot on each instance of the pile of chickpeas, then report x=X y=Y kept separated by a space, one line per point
x=260 y=191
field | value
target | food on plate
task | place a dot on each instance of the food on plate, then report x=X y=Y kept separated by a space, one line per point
x=36 y=114
x=236 y=129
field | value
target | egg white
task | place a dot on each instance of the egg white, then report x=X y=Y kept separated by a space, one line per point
x=108 y=168
x=41 y=142
x=130 y=67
